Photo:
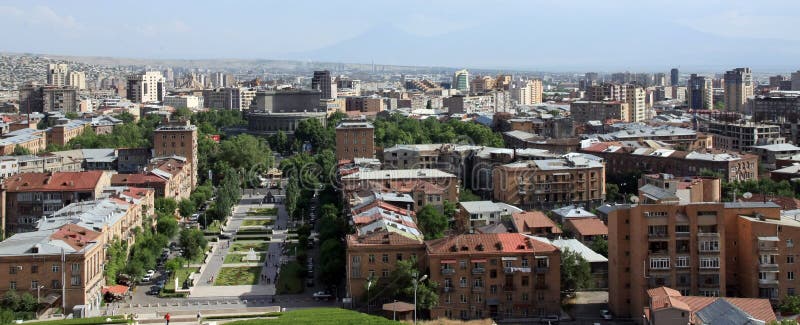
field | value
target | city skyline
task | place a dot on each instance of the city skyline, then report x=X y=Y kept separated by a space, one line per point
x=538 y=36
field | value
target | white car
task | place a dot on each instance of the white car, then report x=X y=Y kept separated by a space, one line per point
x=146 y=278
x=150 y=273
x=606 y=314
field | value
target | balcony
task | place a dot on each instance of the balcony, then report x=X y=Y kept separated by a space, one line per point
x=542 y=269
x=447 y=289
x=478 y=270
x=768 y=282
x=768 y=267
x=448 y=271
x=477 y=289
x=708 y=235
x=657 y=236
x=767 y=247
x=682 y=234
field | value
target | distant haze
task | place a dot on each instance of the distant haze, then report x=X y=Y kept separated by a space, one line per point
x=551 y=35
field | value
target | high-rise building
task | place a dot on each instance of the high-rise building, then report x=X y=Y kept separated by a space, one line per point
x=775 y=81
x=77 y=79
x=700 y=93
x=521 y=92
x=322 y=81
x=355 y=139
x=146 y=87
x=796 y=80
x=536 y=91
x=660 y=79
x=461 y=81
x=673 y=77
x=741 y=249
x=738 y=88
x=57 y=74
x=177 y=138
x=635 y=97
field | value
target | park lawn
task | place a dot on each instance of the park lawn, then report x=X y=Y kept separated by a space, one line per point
x=182 y=274
x=244 y=246
x=262 y=212
x=320 y=316
x=290 y=280
x=85 y=321
x=257 y=222
x=239 y=258
x=214 y=226
x=231 y=276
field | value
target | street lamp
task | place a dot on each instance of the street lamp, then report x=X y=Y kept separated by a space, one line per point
x=416 y=281
x=38 y=297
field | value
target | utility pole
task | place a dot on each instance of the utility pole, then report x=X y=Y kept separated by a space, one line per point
x=63 y=283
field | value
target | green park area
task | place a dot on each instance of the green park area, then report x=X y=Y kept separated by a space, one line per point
x=257 y=222
x=232 y=276
x=234 y=258
x=320 y=316
x=246 y=245
x=290 y=280
x=262 y=212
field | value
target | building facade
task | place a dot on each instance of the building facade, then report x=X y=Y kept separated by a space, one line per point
x=584 y=111
x=738 y=88
x=177 y=138
x=146 y=87
x=355 y=139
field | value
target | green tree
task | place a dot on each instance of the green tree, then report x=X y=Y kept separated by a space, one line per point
x=612 y=193
x=71 y=115
x=12 y=300
x=193 y=243
x=246 y=152
x=6 y=316
x=20 y=151
x=279 y=142
x=27 y=302
x=401 y=285
x=576 y=273
x=600 y=246
x=166 y=206
x=465 y=195
x=331 y=261
x=449 y=209
x=431 y=222
x=187 y=207
x=167 y=226
x=790 y=305
x=175 y=264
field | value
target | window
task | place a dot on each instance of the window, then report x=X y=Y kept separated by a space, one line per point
x=789 y=259
x=493 y=274
x=463 y=299
x=659 y=263
x=493 y=289
x=12 y=285
x=34 y=268
x=462 y=264
x=463 y=282
x=447 y=299
x=75 y=280
x=540 y=296
x=76 y=267
x=371 y=258
x=709 y=246
x=478 y=299
x=34 y=284
x=682 y=261
x=12 y=269
x=356 y=260
x=525 y=262
x=55 y=268
x=509 y=297
x=55 y=284
x=709 y=262
x=790 y=291
x=524 y=296
x=790 y=275
x=385 y=258
x=525 y=281
x=371 y=273
x=399 y=257
x=789 y=243
x=385 y=273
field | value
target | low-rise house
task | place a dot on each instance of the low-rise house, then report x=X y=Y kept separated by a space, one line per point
x=586 y=230
x=474 y=214
x=535 y=223
x=668 y=306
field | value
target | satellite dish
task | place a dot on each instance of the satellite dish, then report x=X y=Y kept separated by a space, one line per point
x=747 y=195
x=634 y=199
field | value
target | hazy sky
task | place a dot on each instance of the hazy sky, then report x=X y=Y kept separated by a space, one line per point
x=538 y=35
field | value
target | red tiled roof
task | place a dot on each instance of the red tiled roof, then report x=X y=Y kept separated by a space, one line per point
x=51 y=182
x=136 y=192
x=116 y=289
x=663 y=291
x=75 y=236
x=662 y=302
x=125 y=179
x=534 y=219
x=758 y=308
x=588 y=226
x=489 y=243
x=380 y=238
x=663 y=297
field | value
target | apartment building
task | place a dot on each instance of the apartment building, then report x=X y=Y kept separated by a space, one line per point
x=426 y=186
x=584 y=111
x=620 y=158
x=706 y=249
x=738 y=89
x=28 y=197
x=170 y=177
x=573 y=178
x=177 y=138
x=184 y=101
x=502 y=276
x=637 y=104
x=699 y=92
x=476 y=214
x=364 y=104
x=67 y=130
x=481 y=84
x=57 y=74
x=31 y=139
x=146 y=87
x=36 y=262
x=743 y=136
x=355 y=139
x=232 y=98
x=323 y=82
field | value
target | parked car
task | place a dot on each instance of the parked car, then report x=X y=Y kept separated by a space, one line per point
x=322 y=295
x=549 y=319
x=146 y=278
x=606 y=314
x=154 y=290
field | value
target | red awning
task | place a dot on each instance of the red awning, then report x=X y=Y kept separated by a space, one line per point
x=116 y=289
x=448 y=261
x=480 y=260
